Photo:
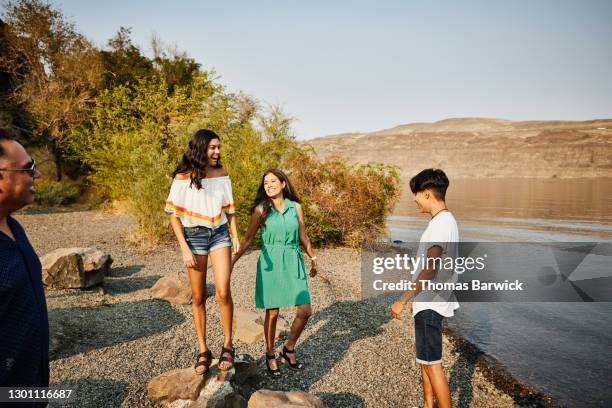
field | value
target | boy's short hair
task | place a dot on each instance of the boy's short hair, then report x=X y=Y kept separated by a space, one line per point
x=432 y=179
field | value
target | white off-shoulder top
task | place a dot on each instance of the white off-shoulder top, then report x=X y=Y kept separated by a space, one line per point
x=206 y=207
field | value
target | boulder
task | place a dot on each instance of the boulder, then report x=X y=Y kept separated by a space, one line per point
x=285 y=399
x=248 y=326
x=183 y=388
x=215 y=394
x=181 y=383
x=75 y=268
x=172 y=288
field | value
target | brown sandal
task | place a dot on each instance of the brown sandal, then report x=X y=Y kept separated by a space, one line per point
x=231 y=358
x=206 y=362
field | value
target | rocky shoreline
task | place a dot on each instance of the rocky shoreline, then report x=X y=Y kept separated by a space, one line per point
x=496 y=373
x=110 y=341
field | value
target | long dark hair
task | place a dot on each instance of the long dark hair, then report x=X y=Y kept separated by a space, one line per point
x=265 y=201
x=195 y=158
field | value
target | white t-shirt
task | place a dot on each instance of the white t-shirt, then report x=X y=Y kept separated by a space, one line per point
x=441 y=231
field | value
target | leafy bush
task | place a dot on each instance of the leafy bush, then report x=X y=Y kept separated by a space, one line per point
x=137 y=136
x=55 y=193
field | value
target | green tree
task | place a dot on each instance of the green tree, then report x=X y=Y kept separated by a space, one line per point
x=175 y=67
x=123 y=62
x=57 y=69
x=12 y=115
x=132 y=140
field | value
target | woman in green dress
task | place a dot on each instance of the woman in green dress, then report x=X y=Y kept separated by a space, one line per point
x=281 y=276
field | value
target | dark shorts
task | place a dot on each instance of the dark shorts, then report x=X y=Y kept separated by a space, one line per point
x=428 y=337
x=202 y=240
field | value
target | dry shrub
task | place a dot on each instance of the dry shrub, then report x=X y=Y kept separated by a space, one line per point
x=344 y=203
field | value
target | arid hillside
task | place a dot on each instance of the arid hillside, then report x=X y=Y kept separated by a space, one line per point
x=480 y=147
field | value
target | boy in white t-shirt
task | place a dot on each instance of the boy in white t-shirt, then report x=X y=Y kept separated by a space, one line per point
x=438 y=242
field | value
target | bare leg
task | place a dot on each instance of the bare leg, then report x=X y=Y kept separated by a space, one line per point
x=270 y=334
x=221 y=265
x=438 y=382
x=197 y=280
x=301 y=318
x=428 y=393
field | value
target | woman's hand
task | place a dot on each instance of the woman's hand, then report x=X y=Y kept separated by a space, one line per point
x=313 y=269
x=189 y=259
x=240 y=248
x=236 y=245
x=235 y=258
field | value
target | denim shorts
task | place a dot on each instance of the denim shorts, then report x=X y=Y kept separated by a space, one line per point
x=202 y=240
x=428 y=337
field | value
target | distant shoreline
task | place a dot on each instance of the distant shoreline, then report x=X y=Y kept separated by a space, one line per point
x=480 y=148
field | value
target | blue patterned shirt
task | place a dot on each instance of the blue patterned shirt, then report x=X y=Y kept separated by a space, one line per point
x=24 y=325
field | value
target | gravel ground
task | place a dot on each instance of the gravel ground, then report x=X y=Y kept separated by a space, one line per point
x=108 y=342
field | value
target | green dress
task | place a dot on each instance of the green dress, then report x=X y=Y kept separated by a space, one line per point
x=281 y=275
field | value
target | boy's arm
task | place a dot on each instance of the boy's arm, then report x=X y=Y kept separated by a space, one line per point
x=427 y=273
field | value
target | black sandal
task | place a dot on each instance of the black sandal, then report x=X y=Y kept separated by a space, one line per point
x=206 y=362
x=276 y=372
x=223 y=357
x=297 y=365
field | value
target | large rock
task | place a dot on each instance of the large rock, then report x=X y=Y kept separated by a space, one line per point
x=285 y=399
x=248 y=326
x=215 y=394
x=173 y=289
x=75 y=268
x=182 y=383
x=183 y=388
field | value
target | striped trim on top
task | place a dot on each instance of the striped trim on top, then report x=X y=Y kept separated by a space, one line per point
x=202 y=219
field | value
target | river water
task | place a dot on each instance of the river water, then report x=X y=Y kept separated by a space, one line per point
x=563 y=350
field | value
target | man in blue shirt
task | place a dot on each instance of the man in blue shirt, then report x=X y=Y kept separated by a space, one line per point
x=24 y=326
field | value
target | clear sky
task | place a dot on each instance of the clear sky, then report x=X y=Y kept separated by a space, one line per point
x=343 y=66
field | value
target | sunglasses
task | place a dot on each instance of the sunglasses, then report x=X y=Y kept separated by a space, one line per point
x=31 y=170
